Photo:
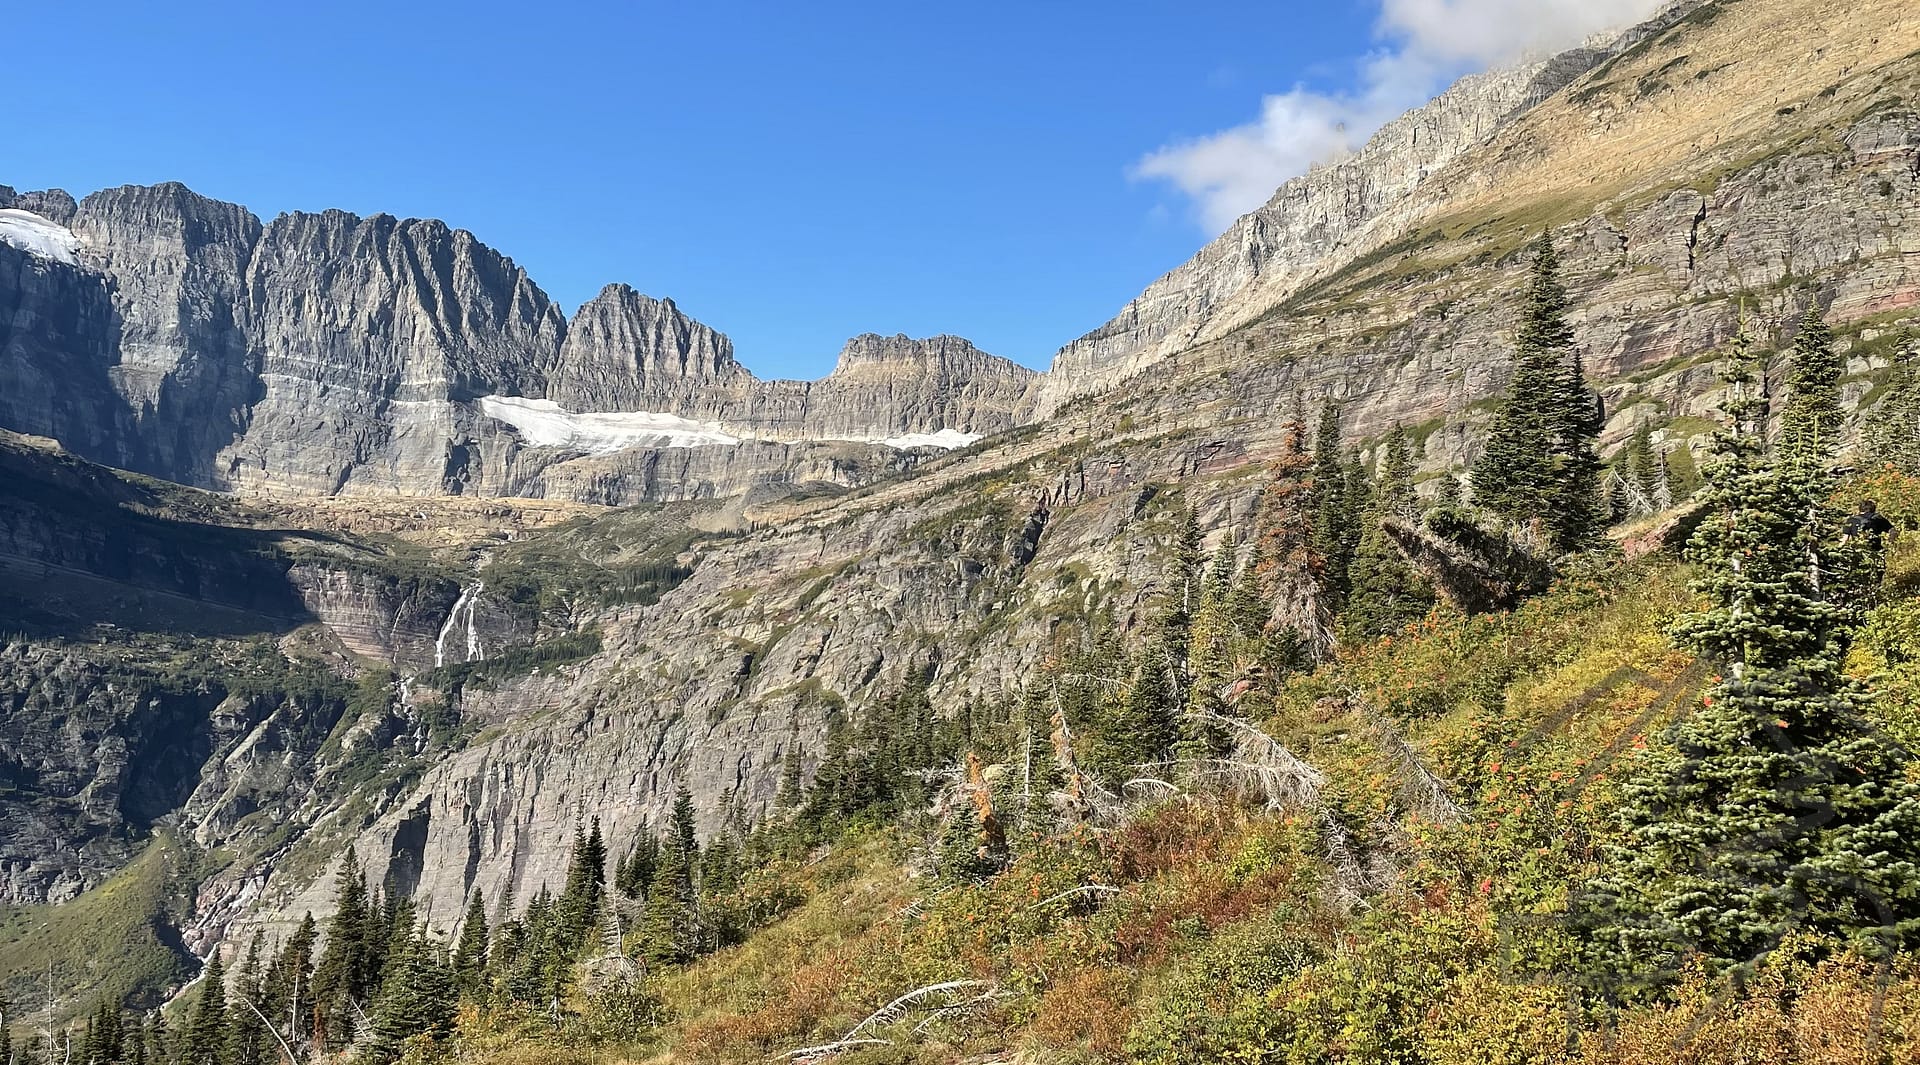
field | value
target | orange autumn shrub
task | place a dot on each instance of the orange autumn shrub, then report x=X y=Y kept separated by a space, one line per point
x=1091 y=1008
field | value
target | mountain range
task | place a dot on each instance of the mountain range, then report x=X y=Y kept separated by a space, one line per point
x=415 y=450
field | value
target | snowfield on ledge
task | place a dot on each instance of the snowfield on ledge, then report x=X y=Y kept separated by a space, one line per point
x=31 y=233
x=544 y=423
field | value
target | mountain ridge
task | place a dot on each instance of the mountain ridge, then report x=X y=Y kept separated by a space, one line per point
x=325 y=353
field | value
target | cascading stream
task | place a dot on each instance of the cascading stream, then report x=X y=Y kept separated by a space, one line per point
x=469 y=596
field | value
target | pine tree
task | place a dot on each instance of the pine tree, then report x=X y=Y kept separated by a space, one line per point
x=160 y=1042
x=416 y=997
x=1289 y=566
x=792 y=774
x=288 y=988
x=1775 y=807
x=964 y=856
x=340 y=980
x=670 y=930
x=1388 y=594
x=1396 y=497
x=1644 y=472
x=1812 y=415
x=470 y=953
x=1890 y=435
x=636 y=870
x=1577 y=513
x=1539 y=463
x=247 y=1040
x=1185 y=571
x=579 y=906
x=206 y=1038
x=668 y=933
x=1335 y=509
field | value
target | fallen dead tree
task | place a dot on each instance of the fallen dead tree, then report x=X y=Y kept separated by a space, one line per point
x=939 y=1002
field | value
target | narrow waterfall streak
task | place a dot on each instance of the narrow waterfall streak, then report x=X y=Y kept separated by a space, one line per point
x=474 y=653
x=453 y=616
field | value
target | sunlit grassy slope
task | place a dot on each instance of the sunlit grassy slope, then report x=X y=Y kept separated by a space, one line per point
x=1471 y=770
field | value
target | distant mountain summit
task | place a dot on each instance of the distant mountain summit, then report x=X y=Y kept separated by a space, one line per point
x=157 y=330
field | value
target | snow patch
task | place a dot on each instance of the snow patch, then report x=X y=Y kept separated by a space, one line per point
x=31 y=233
x=544 y=423
x=945 y=439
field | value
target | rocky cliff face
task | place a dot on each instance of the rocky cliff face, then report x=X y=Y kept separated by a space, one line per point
x=629 y=352
x=1313 y=223
x=329 y=354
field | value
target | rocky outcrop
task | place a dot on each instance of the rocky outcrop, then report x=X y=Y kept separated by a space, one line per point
x=629 y=352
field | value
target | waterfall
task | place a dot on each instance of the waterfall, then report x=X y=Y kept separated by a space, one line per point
x=466 y=602
x=474 y=654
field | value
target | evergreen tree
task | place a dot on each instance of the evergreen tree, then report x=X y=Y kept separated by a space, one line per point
x=1387 y=593
x=247 y=1040
x=1812 y=417
x=1577 y=513
x=668 y=933
x=636 y=870
x=396 y=930
x=1185 y=572
x=159 y=1041
x=1643 y=472
x=681 y=828
x=1539 y=464
x=670 y=930
x=579 y=906
x=1288 y=563
x=1335 y=509
x=964 y=853
x=206 y=1038
x=1395 y=494
x=792 y=773
x=340 y=979
x=470 y=953
x=1139 y=722
x=1775 y=807
x=416 y=997
x=288 y=988
x=1890 y=435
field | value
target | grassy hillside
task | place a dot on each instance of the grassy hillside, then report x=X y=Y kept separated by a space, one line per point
x=115 y=941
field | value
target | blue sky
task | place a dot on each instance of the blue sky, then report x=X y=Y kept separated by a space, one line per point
x=791 y=174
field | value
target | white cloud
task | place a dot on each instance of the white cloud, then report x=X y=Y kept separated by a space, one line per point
x=1425 y=42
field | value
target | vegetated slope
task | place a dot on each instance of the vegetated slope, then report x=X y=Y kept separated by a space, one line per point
x=962 y=569
x=970 y=569
x=1480 y=761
